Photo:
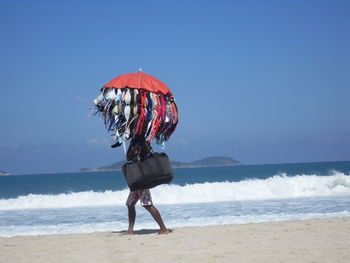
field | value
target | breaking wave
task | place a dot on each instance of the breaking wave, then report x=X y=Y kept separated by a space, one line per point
x=276 y=187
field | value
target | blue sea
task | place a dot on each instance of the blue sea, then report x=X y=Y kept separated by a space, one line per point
x=41 y=204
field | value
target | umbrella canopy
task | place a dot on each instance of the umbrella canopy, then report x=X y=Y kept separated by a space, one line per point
x=139 y=80
x=137 y=104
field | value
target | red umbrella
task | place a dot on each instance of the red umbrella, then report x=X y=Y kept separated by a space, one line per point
x=137 y=104
x=139 y=80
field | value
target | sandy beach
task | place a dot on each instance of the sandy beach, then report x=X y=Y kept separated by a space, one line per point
x=312 y=241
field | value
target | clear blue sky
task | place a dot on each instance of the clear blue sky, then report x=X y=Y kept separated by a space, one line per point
x=260 y=81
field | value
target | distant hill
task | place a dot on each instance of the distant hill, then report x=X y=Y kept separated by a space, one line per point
x=113 y=166
x=214 y=161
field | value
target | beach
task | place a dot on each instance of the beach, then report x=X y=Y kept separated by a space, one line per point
x=316 y=240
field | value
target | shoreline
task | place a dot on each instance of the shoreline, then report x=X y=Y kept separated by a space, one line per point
x=311 y=240
x=241 y=164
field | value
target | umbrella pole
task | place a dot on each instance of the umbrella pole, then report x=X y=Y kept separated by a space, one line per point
x=124 y=147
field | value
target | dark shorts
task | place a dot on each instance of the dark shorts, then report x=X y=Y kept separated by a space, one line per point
x=143 y=195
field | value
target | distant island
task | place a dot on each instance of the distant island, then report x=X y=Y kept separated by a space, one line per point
x=214 y=161
x=2 y=173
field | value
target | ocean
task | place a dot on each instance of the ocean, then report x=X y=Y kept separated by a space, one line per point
x=41 y=204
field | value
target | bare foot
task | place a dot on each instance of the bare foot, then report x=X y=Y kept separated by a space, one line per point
x=129 y=233
x=164 y=232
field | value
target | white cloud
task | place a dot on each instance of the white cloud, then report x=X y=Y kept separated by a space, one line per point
x=182 y=141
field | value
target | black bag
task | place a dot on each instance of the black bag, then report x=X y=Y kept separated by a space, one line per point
x=153 y=170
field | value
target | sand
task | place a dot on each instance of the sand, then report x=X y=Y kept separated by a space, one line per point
x=324 y=240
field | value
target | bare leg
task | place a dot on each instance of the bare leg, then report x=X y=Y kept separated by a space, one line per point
x=132 y=217
x=156 y=215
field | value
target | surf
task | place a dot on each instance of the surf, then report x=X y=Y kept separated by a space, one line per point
x=280 y=186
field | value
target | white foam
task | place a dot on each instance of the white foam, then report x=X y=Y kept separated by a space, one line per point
x=276 y=187
x=10 y=231
x=80 y=199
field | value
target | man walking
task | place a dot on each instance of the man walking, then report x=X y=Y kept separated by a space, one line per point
x=146 y=201
x=139 y=148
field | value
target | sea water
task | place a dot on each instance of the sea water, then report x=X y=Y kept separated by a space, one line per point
x=42 y=204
